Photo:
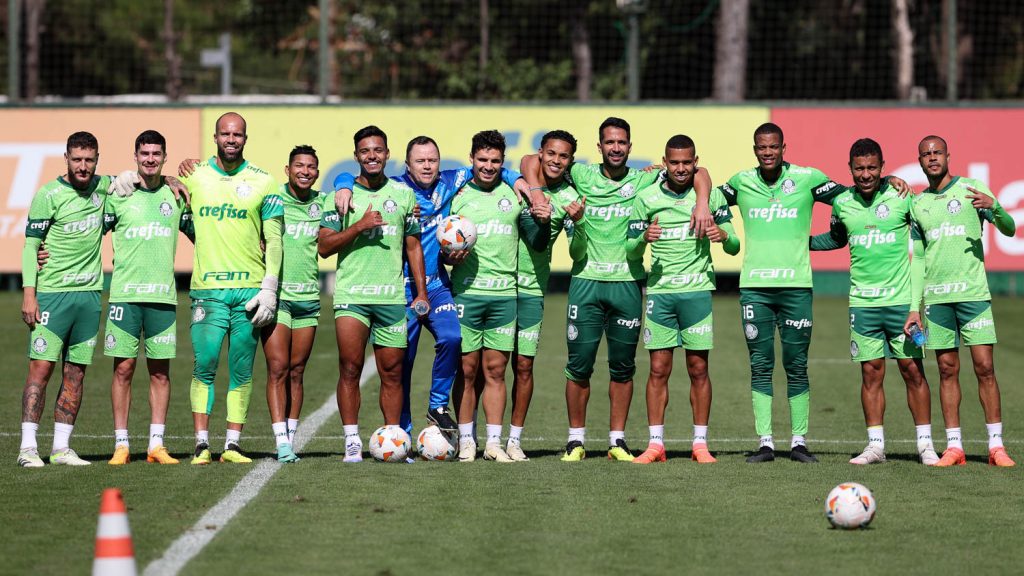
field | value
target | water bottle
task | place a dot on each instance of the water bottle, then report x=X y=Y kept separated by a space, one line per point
x=917 y=335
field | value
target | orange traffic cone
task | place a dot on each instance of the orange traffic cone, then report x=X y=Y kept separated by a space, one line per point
x=115 y=555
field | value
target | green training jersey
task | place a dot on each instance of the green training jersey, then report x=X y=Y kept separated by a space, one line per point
x=370 y=268
x=777 y=222
x=950 y=228
x=490 y=267
x=679 y=261
x=534 y=266
x=228 y=210
x=300 y=269
x=878 y=232
x=609 y=210
x=70 y=222
x=145 y=229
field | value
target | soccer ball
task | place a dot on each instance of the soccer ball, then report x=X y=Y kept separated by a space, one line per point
x=432 y=444
x=456 y=233
x=850 y=506
x=389 y=444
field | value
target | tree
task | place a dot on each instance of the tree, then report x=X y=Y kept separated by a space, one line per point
x=730 y=74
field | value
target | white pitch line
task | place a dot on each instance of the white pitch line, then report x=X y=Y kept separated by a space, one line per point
x=192 y=542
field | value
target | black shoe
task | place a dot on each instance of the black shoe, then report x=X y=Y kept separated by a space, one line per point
x=763 y=454
x=200 y=447
x=441 y=417
x=800 y=453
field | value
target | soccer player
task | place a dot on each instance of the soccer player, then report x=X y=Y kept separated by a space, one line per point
x=371 y=244
x=949 y=280
x=288 y=341
x=434 y=192
x=61 y=302
x=604 y=293
x=143 y=294
x=238 y=217
x=875 y=221
x=484 y=285
x=678 y=311
x=556 y=152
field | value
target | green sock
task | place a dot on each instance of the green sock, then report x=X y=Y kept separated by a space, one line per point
x=762 y=413
x=799 y=408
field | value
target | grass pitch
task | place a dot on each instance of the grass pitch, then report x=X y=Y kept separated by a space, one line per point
x=542 y=516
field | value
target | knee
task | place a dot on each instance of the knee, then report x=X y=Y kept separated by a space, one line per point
x=985 y=372
x=698 y=375
x=660 y=372
x=349 y=373
x=948 y=370
x=296 y=373
x=124 y=371
x=524 y=365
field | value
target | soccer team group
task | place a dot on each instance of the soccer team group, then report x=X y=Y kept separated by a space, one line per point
x=256 y=278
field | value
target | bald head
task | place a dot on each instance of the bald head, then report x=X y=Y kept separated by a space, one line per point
x=932 y=138
x=230 y=139
x=232 y=117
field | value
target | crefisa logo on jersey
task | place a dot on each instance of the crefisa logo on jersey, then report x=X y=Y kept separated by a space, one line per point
x=882 y=211
x=39 y=345
x=314 y=210
x=165 y=209
x=109 y=342
x=627 y=190
x=954 y=206
x=571 y=332
x=390 y=206
x=243 y=190
x=198 y=314
x=788 y=186
x=750 y=331
x=504 y=204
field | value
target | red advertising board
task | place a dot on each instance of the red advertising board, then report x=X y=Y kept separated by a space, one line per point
x=979 y=147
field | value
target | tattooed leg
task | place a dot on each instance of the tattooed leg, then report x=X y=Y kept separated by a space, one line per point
x=70 y=398
x=34 y=396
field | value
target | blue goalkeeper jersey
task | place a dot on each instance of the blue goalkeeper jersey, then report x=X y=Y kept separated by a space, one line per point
x=435 y=205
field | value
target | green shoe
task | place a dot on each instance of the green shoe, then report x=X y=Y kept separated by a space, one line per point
x=574 y=452
x=285 y=455
x=234 y=455
x=620 y=451
x=202 y=456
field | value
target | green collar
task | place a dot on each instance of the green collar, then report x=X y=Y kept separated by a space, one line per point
x=213 y=163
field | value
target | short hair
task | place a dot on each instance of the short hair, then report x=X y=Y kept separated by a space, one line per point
x=769 y=128
x=368 y=132
x=151 y=137
x=865 y=147
x=420 y=141
x=83 y=140
x=613 y=122
x=934 y=137
x=559 y=135
x=216 y=125
x=680 y=142
x=300 y=150
x=488 y=139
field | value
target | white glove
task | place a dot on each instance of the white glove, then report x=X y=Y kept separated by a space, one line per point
x=264 y=303
x=123 y=185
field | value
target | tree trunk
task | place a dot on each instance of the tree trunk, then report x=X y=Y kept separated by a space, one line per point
x=485 y=45
x=33 y=23
x=903 y=50
x=730 y=82
x=173 y=85
x=581 y=56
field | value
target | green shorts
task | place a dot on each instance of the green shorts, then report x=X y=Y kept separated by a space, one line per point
x=529 y=318
x=487 y=322
x=877 y=332
x=128 y=321
x=67 y=329
x=385 y=321
x=681 y=319
x=949 y=323
x=597 y=308
x=298 y=314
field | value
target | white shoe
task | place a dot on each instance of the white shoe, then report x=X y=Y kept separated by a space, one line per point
x=353 y=452
x=467 y=450
x=67 y=457
x=494 y=452
x=928 y=455
x=29 y=458
x=515 y=452
x=871 y=455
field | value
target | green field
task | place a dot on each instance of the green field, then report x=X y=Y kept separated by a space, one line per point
x=542 y=516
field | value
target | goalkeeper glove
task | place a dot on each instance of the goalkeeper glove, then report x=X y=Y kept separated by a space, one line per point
x=123 y=185
x=264 y=304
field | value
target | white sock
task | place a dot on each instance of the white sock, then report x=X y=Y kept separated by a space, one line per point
x=120 y=438
x=954 y=439
x=202 y=437
x=766 y=441
x=876 y=437
x=514 y=434
x=293 y=425
x=700 y=435
x=657 y=434
x=351 y=430
x=156 y=435
x=615 y=435
x=232 y=437
x=798 y=441
x=494 y=433
x=28 y=435
x=61 y=435
x=924 y=437
x=280 y=432
x=578 y=434
x=995 y=435
x=467 y=431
